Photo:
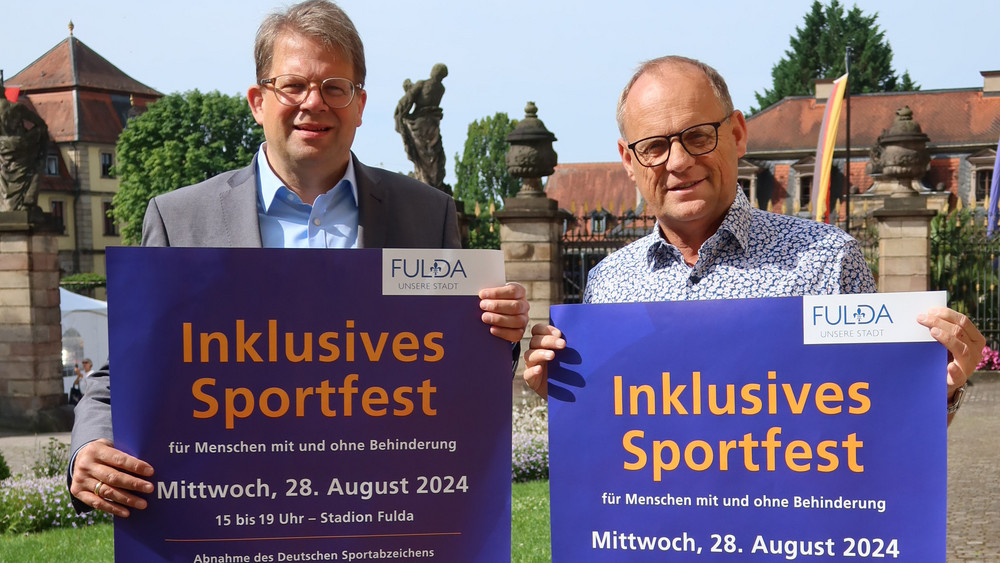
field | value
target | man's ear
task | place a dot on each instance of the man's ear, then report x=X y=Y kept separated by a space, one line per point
x=626 y=155
x=739 y=132
x=362 y=100
x=255 y=97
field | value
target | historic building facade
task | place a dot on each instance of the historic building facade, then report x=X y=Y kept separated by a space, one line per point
x=962 y=127
x=85 y=101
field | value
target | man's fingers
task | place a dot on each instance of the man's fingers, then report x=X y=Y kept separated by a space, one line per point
x=123 y=497
x=536 y=379
x=105 y=478
x=542 y=329
x=509 y=334
x=121 y=460
x=511 y=291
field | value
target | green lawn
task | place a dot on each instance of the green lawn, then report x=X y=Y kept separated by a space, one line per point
x=89 y=544
x=529 y=533
x=529 y=529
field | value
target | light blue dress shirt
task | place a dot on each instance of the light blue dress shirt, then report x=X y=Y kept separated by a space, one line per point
x=286 y=222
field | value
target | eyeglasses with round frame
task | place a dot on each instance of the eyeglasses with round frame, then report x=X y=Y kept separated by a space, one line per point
x=697 y=140
x=292 y=90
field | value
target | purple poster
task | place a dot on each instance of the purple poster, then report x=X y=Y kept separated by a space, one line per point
x=748 y=430
x=303 y=405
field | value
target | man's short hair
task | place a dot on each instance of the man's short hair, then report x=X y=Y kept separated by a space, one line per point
x=318 y=19
x=87 y=361
x=714 y=78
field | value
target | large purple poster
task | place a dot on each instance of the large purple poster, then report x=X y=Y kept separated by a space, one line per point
x=748 y=430
x=302 y=405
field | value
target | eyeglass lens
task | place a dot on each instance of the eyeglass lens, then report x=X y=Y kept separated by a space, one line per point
x=696 y=140
x=292 y=90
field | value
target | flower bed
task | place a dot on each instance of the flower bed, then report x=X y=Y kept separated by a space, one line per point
x=990 y=361
x=530 y=443
x=36 y=504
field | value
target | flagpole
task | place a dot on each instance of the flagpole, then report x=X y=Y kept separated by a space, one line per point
x=847 y=163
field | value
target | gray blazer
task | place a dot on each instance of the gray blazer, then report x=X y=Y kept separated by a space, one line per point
x=394 y=212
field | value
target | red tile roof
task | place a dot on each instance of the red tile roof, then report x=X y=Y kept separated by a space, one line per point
x=600 y=184
x=79 y=94
x=951 y=118
x=73 y=64
x=962 y=120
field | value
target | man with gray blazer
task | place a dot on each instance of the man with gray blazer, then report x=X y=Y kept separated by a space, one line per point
x=304 y=189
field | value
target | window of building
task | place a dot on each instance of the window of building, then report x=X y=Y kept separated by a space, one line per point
x=107 y=161
x=984 y=176
x=748 y=175
x=805 y=192
x=51 y=165
x=110 y=225
x=981 y=165
x=745 y=186
x=56 y=208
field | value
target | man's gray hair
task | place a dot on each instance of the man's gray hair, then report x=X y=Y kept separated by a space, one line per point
x=318 y=19
x=715 y=79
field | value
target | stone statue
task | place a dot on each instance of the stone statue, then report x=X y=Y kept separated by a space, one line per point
x=418 y=119
x=24 y=141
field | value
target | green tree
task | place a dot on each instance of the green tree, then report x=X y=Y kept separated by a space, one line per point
x=817 y=51
x=182 y=139
x=482 y=176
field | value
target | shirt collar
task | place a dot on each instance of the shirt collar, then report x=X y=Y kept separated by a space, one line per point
x=269 y=183
x=737 y=223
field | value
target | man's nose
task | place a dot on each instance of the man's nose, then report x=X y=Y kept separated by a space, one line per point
x=314 y=98
x=678 y=158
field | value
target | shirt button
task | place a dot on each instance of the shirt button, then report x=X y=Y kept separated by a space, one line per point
x=316 y=221
x=290 y=197
x=695 y=279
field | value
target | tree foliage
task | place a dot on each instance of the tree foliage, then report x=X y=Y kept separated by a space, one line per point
x=482 y=176
x=817 y=51
x=182 y=139
x=962 y=262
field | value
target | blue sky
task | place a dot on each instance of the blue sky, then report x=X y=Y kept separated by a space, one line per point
x=570 y=58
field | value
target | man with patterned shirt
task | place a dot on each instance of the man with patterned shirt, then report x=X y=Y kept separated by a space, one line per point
x=681 y=143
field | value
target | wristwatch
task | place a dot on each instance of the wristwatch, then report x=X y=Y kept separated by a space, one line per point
x=957 y=398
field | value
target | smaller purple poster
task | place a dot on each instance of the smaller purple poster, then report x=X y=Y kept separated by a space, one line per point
x=748 y=430
x=304 y=405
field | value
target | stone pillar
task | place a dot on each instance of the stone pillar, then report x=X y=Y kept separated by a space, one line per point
x=530 y=224
x=530 y=230
x=904 y=228
x=31 y=390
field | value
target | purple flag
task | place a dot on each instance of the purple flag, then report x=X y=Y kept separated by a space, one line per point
x=991 y=224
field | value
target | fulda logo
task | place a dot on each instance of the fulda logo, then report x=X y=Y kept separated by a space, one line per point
x=421 y=268
x=840 y=315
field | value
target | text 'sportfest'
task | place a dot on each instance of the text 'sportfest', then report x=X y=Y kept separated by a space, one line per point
x=748 y=430
x=308 y=405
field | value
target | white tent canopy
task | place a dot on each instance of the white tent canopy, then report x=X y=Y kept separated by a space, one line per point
x=84 y=329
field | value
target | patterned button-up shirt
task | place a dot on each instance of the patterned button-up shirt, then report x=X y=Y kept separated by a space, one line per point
x=753 y=254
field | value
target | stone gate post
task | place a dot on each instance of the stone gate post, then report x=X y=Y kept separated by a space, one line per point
x=30 y=331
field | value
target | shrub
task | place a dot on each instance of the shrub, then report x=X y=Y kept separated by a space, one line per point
x=52 y=460
x=962 y=262
x=4 y=468
x=530 y=443
x=33 y=505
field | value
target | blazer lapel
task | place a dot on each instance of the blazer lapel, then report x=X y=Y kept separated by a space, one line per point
x=371 y=207
x=239 y=208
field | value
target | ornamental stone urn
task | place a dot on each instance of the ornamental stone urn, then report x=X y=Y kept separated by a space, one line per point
x=900 y=159
x=531 y=155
